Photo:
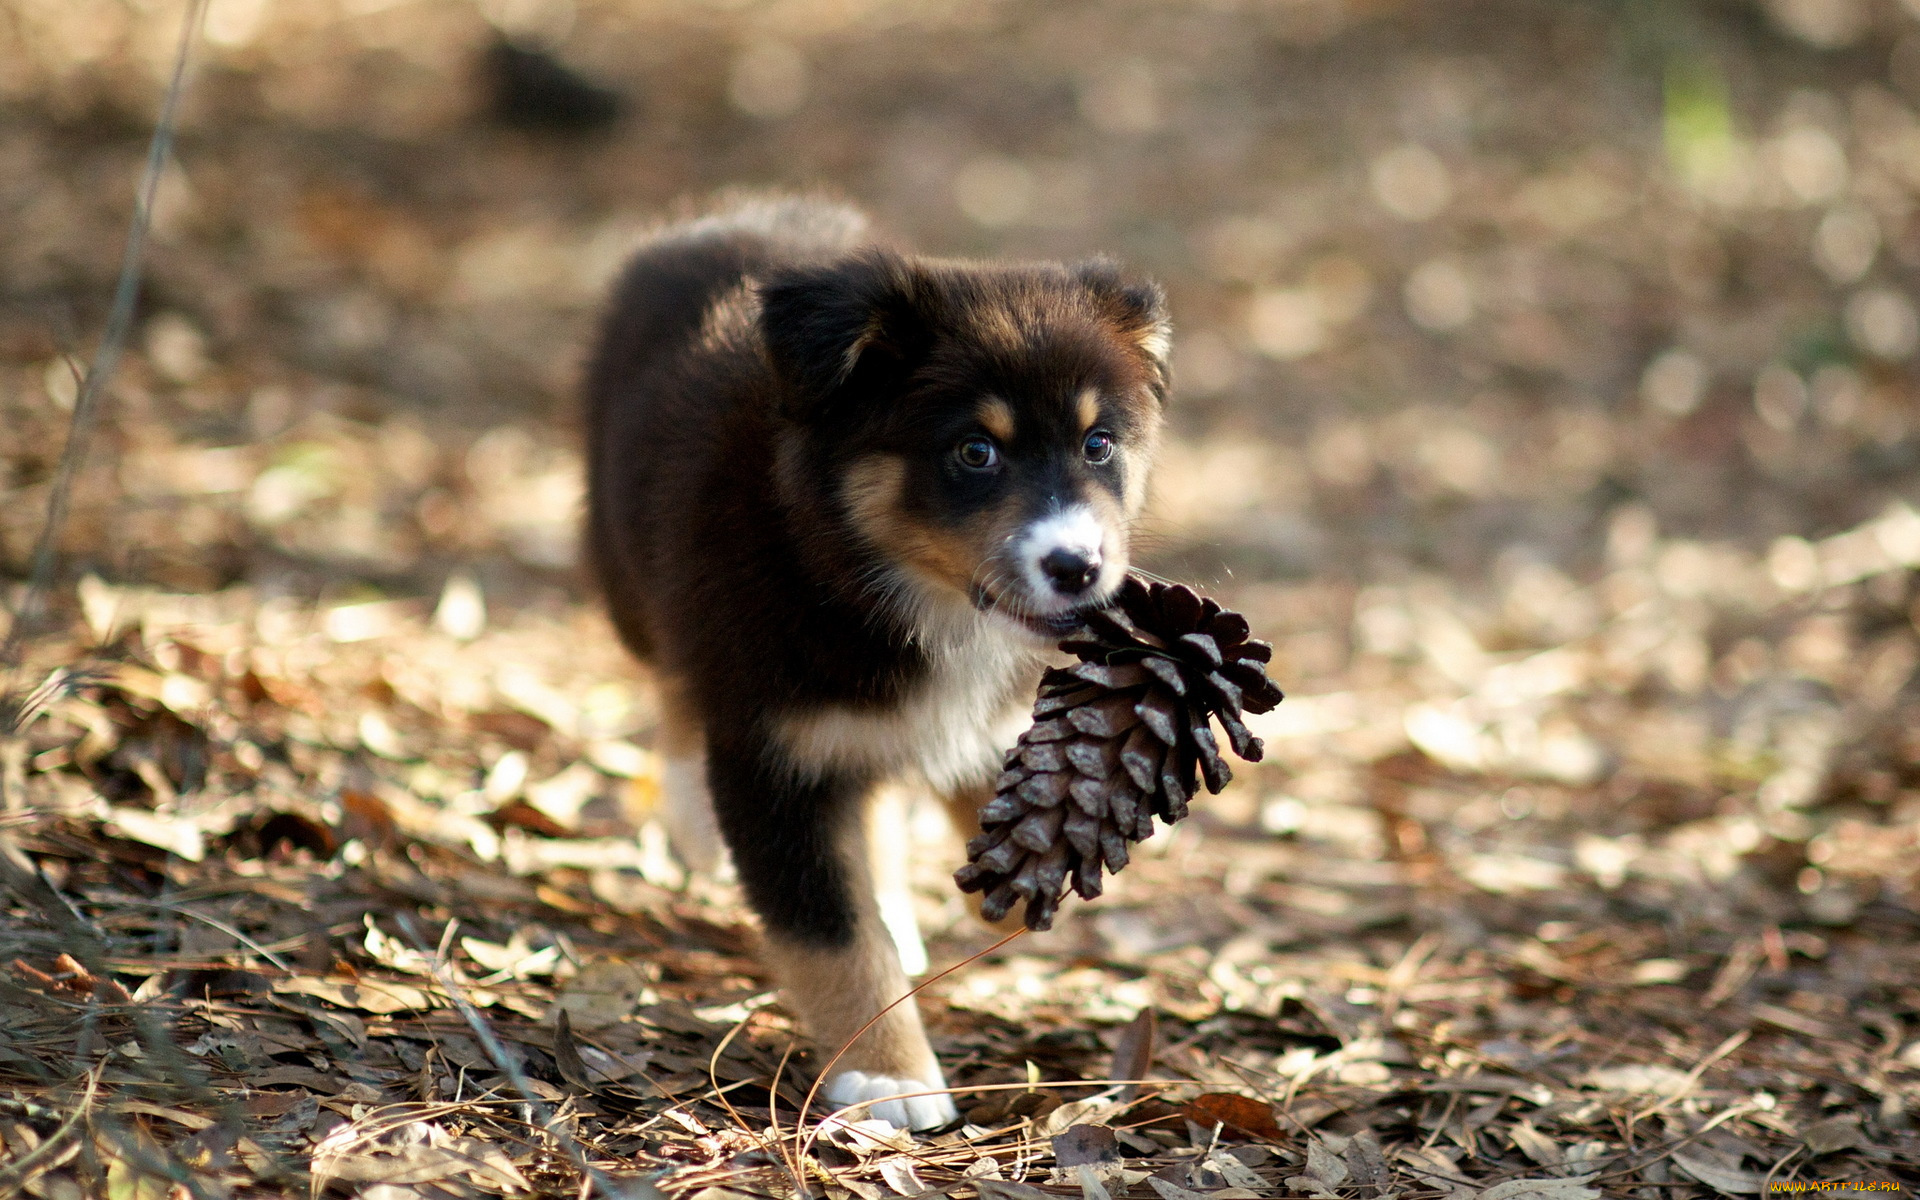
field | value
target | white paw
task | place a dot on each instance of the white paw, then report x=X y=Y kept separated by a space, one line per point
x=917 y=1112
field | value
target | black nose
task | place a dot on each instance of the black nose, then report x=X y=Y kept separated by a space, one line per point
x=1072 y=571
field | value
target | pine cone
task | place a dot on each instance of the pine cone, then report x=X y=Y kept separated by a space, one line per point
x=1116 y=741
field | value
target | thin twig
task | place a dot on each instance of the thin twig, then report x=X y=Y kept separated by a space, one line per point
x=713 y=1077
x=106 y=359
x=773 y=1110
x=1766 y=1185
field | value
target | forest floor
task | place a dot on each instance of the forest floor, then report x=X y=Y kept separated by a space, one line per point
x=1546 y=394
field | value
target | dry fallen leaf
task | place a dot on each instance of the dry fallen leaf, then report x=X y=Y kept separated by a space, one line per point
x=365 y=994
x=1168 y=1190
x=1833 y=1134
x=1236 y=1173
x=1708 y=1168
x=604 y=991
x=1543 y=1189
x=1240 y=1116
x=1081 y=1145
x=1325 y=1171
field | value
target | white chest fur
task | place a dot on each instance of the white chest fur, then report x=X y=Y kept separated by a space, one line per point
x=953 y=728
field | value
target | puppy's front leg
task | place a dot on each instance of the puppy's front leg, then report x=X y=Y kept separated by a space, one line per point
x=799 y=847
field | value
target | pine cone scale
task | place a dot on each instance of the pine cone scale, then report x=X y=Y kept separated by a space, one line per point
x=1046 y=789
x=1141 y=757
x=1054 y=729
x=1107 y=718
x=1205 y=645
x=1158 y=714
x=1167 y=672
x=1094 y=758
x=1112 y=678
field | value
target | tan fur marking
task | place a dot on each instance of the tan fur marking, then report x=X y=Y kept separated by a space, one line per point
x=996 y=417
x=1088 y=406
x=1138 y=460
x=834 y=991
x=952 y=560
x=872 y=493
x=1155 y=340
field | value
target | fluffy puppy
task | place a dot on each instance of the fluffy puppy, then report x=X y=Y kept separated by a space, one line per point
x=844 y=500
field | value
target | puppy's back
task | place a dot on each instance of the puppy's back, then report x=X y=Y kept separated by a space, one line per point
x=647 y=410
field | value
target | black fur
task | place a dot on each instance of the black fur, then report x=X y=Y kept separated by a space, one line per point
x=746 y=361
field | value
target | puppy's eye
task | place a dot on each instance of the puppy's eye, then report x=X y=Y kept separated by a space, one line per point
x=977 y=454
x=1098 y=447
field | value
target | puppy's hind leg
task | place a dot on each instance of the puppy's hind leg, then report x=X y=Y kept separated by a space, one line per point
x=686 y=802
x=801 y=850
x=890 y=842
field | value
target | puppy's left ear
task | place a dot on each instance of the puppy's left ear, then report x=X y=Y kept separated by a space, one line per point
x=1137 y=308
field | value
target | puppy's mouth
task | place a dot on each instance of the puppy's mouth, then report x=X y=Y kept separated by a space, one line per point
x=1051 y=626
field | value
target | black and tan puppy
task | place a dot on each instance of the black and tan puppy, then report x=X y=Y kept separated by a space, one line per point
x=844 y=501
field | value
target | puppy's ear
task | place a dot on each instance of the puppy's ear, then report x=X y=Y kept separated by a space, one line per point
x=835 y=330
x=1137 y=308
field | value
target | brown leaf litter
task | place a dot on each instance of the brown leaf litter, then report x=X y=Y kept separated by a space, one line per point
x=1546 y=397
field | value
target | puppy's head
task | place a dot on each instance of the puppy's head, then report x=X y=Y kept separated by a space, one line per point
x=984 y=431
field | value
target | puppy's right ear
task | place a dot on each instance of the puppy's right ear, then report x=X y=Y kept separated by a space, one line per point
x=837 y=330
x=1138 y=309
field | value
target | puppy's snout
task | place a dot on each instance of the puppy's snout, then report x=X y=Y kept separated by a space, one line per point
x=1063 y=558
x=1071 y=570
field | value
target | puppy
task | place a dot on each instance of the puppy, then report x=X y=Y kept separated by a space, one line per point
x=844 y=501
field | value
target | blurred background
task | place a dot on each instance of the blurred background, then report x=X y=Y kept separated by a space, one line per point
x=1545 y=378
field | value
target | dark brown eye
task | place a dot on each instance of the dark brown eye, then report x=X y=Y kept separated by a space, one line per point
x=1098 y=447
x=977 y=454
